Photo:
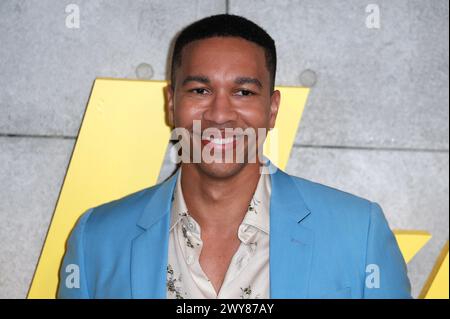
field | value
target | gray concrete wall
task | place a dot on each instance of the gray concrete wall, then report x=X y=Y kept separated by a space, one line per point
x=376 y=121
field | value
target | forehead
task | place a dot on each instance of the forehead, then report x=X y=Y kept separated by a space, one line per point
x=224 y=55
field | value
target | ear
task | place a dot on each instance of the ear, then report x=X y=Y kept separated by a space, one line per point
x=274 y=105
x=170 y=105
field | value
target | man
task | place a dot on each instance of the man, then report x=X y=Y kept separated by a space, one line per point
x=232 y=229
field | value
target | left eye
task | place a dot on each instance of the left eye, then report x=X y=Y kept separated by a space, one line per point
x=200 y=91
x=244 y=93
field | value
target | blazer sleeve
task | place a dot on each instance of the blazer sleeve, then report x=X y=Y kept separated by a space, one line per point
x=72 y=276
x=386 y=272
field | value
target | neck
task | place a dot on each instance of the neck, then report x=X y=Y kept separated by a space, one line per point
x=218 y=203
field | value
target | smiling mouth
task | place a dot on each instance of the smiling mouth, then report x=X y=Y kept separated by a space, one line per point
x=221 y=143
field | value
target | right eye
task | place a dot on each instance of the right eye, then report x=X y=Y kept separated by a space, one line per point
x=200 y=91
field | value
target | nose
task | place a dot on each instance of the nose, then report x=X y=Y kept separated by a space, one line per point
x=221 y=110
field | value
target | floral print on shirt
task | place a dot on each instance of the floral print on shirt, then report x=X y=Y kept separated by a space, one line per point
x=246 y=293
x=172 y=282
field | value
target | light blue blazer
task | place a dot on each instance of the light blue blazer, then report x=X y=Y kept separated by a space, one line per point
x=324 y=243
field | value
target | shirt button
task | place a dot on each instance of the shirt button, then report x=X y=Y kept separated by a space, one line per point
x=190 y=259
x=191 y=226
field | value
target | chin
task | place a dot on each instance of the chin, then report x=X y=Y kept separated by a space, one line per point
x=221 y=170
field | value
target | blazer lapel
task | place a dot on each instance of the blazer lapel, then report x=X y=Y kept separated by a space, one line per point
x=149 y=250
x=291 y=244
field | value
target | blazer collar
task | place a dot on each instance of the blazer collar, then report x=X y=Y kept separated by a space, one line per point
x=160 y=203
x=149 y=250
x=291 y=244
x=284 y=190
x=287 y=198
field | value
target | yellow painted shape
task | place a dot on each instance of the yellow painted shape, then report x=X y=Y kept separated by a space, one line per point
x=410 y=242
x=436 y=286
x=278 y=146
x=119 y=150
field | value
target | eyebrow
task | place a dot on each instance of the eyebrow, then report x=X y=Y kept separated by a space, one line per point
x=248 y=80
x=205 y=80
x=196 y=78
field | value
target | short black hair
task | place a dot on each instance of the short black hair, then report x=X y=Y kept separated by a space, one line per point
x=225 y=25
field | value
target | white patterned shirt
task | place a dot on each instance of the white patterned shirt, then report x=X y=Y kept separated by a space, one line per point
x=247 y=276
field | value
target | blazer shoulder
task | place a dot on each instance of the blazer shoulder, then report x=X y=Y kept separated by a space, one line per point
x=333 y=202
x=119 y=214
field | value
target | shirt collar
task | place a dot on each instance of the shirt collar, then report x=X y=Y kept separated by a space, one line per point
x=256 y=216
x=179 y=208
x=259 y=207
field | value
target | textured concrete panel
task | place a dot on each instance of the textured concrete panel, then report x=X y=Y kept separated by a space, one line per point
x=411 y=187
x=375 y=87
x=32 y=171
x=47 y=69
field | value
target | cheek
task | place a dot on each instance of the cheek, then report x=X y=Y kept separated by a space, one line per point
x=255 y=115
x=185 y=114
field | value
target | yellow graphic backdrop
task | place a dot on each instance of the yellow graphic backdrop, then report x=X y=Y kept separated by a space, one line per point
x=120 y=149
x=436 y=287
x=411 y=242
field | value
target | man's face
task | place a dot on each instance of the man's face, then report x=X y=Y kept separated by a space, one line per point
x=224 y=83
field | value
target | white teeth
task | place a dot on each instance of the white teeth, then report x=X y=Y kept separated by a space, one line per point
x=222 y=141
